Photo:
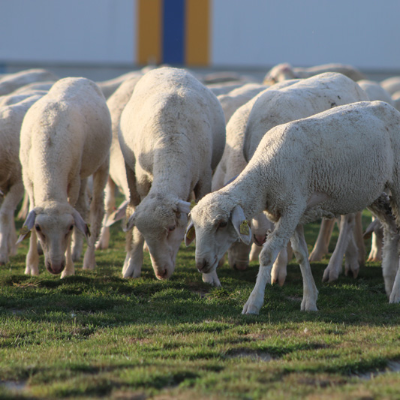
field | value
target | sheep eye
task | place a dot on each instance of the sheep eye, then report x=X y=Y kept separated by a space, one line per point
x=171 y=228
x=37 y=227
x=71 y=227
x=222 y=224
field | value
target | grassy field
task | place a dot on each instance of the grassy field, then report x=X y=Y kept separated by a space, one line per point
x=97 y=335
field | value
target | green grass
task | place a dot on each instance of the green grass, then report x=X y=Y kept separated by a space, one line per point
x=97 y=335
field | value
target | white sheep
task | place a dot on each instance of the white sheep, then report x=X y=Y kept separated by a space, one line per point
x=335 y=162
x=65 y=138
x=285 y=71
x=237 y=97
x=110 y=86
x=172 y=135
x=12 y=98
x=11 y=185
x=300 y=100
x=46 y=86
x=375 y=91
x=12 y=82
x=223 y=88
x=391 y=85
x=117 y=175
x=396 y=100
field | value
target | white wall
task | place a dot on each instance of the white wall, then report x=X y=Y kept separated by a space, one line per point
x=85 y=31
x=364 y=33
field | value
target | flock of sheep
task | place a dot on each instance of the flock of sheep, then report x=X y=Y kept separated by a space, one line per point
x=237 y=165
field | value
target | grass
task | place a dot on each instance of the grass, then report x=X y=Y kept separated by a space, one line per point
x=97 y=335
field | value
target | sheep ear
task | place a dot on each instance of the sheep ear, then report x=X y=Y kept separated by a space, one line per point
x=130 y=224
x=183 y=206
x=241 y=225
x=81 y=224
x=190 y=233
x=117 y=215
x=25 y=231
x=371 y=228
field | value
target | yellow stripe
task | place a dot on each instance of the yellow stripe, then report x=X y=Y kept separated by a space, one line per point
x=197 y=47
x=149 y=31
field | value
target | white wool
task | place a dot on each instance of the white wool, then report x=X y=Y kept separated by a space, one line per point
x=391 y=85
x=333 y=163
x=172 y=135
x=375 y=91
x=65 y=138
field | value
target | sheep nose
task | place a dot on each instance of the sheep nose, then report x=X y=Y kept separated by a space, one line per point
x=162 y=274
x=202 y=266
x=55 y=269
x=259 y=239
x=240 y=266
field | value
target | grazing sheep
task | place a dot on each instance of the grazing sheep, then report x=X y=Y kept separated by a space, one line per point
x=65 y=138
x=172 y=135
x=12 y=82
x=285 y=71
x=110 y=86
x=237 y=97
x=10 y=99
x=117 y=174
x=375 y=91
x=303 y=99
x=335 y=162
x=11 y=186
x=391 y=85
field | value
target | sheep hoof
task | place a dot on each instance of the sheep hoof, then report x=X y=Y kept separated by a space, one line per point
x=394 y=298
x=308 y=305
x=329 y=276
x=250 y=309
x=282 y=280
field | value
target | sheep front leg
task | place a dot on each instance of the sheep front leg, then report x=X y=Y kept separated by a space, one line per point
x=134 y=256
x=310 y=292
x=96 y=213
x=334 y=267
x=32 y=258
x=82 y=207
x=276 y=241
x=7 y=229
x=212 y=279
x=279 y=269
x=69 y=265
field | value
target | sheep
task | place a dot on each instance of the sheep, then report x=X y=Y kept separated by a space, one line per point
x=391 y=85
x=12 y=82
x=303 y=99
x=223 y=88
x=172 y=135
x=285 y=71
x=237 y=97
x=117 y=174
x=46 y=86
x=10 y=99
x=11 y=186
x=65 y=138
x=335 y=162
x=110 y=86
x=375 y=91
x=396 y=100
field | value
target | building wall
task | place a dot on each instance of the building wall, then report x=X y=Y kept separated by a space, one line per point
x=219 y=33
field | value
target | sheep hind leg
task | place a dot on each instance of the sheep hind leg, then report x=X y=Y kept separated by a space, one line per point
x=276 y=241
x=96 y=213
x=279 y=269
x=390 y=261
x=321 y=245
x=334 y=267
x=104 y=238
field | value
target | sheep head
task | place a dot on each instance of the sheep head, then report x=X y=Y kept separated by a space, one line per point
x=217 y=221
x=53 y=226
x=162 y=220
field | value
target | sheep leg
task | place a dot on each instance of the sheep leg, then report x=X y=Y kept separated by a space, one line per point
x=321 y=245
x=276 y=241
x=351 y=257
x=310 y=292
x=134 y=257
x=96 y=213
x=104 y=238
x=359 y=239
x=32 y=258
x=255 y=252
x=212 y=278
x=7 y=228
x=69 y=264
x=82 y=207
x=279 y=269
x=390 y=262
x=334 y=267
x=375 y=254
x=23 y=212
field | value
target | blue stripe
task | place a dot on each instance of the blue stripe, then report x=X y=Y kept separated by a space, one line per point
x=173 y=44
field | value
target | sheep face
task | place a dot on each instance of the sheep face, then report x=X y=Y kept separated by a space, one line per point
x=216 y=228
x=162 y=223
x=53 y=227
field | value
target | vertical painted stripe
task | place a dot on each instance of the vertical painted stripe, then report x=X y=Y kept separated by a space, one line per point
x=149 y=24
x=173 y=31
x=197 y=46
